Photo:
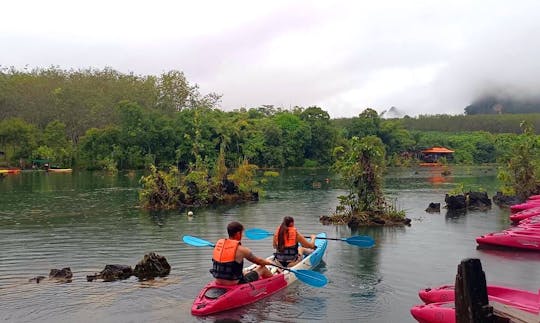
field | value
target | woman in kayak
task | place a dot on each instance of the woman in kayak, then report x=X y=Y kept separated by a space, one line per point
x=286 y=240
x=228 y=259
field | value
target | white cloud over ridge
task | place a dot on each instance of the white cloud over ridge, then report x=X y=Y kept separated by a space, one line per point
x=422 y=57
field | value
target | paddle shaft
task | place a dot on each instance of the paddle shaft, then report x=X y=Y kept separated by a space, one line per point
x=359 y=241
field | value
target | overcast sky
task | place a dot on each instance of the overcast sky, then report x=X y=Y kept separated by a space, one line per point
x=423 y=57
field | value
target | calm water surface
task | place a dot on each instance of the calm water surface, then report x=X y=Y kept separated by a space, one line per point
x=87 y=220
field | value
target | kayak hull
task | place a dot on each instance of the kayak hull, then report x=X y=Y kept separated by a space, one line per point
x=443 y=312
x=525 y=214
x=521 y=299
x=214 y=298
x=524 y=206
x=528 y=240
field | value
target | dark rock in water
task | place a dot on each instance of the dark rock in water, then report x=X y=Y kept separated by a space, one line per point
x=506 y=200
x=63 y=274
x=478 y=201
x=254 y=196
x=378 y=221
x=112 y=273
x=407 y=221
x=455 y=202
x=434 y=207
x=455 y=213
x=36 y=279
x=152 y=265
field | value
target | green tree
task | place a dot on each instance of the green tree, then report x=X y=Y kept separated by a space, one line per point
x=322 y=139
x=519 y=173
x=17 y=139
x=361 y=166
x=295 y=136
x=368 y=123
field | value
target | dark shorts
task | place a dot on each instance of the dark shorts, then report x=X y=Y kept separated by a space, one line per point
x=286 y=263
x=249 y=277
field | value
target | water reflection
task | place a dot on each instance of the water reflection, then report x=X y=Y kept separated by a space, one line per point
x=86 y=220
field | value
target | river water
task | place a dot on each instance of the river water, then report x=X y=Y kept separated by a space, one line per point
x=86 y=220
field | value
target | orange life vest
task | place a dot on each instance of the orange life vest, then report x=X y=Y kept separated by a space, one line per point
x=224 y=265
x=290 y=246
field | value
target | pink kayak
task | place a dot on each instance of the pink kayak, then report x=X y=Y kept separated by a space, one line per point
x=443 y=312
x=524 y=206
x=214 y=298
x=525 y=214
x=521 y=299
x=534 y=197
x=522 y=240
x=532 y=221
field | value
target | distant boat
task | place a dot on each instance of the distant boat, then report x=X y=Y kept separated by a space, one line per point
x=10 y=171
x=430 y=164
x=59 y=170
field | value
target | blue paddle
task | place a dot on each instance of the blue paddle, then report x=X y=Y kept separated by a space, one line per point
x=359 y=241
x=309 y=277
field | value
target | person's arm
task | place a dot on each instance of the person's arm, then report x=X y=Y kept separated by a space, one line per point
x=303 y=241
x=254 y=259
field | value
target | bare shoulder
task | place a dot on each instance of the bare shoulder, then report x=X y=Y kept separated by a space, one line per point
x=245 y=251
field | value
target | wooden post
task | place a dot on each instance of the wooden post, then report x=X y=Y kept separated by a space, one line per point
x=471 y=299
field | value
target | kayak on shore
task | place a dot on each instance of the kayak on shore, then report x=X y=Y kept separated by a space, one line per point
x=522 y=299
x=529 y=240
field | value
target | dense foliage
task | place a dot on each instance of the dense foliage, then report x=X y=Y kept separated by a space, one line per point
x=520 y=165
x=104 y=119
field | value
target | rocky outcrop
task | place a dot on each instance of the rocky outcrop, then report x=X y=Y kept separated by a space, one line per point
x=36 y=279
x=364 y=219
x=433 y=207
x=478 y=201
x=455 y=202
x=152 y=265
x=468 y=201
x=112 y=273
x=503 y=200
x=63 y=274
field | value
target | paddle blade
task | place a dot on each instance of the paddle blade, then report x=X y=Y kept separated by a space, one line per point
x=257 y=234
x=310 y=277
x=197 y=242
x=361 y=241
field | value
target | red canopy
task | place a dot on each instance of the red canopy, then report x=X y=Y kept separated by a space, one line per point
x=437 y=150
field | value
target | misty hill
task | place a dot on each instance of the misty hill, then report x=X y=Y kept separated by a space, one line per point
x=391 y=113
x=494 y=105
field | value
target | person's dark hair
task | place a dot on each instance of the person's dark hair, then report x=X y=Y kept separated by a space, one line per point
x=234 y=227
x=283 y=231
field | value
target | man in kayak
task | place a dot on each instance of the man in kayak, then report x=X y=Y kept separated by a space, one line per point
x=286 y=240
x=228 y=259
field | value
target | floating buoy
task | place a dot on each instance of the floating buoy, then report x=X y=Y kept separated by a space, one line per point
x=190 y=213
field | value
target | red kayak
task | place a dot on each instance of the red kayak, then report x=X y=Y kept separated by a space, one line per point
x=525 y=214
x=524 y=229
x=521 y=299
x=443 y=312
x=532 y=221
x=215 y=298
x=529 y=240
x=524 y=206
